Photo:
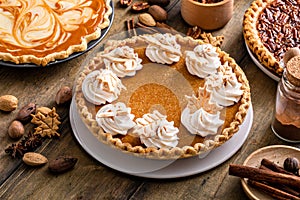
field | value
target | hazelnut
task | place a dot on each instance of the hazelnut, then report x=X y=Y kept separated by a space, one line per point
x=16 y=130
x=64 y=95
x=291 y=164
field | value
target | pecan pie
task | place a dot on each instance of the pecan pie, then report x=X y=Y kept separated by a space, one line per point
x=162 y=96
x=41 y=31
x=271 y=27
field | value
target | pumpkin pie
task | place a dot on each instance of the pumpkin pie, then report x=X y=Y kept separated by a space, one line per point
x=162 y=96
x=271 y=27
x=41 y=31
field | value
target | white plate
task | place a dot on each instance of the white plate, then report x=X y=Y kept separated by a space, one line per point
x=264 y=69
x=160 y=169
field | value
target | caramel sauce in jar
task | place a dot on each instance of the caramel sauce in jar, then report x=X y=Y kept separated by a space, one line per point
x=286 y=123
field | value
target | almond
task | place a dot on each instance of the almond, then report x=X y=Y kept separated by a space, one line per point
x=158 y=13
x=8 y=103
x=34 y=159
x=147 y=19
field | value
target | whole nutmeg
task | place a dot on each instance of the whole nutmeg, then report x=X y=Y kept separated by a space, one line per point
x=158 y=13
x=63 y=95
x=8 y=103
x=291 y=164
x=147 y=19
x=162 y=3
x=16 y=130
x=24 y=114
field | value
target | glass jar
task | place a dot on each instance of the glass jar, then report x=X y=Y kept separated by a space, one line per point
x=286 y=122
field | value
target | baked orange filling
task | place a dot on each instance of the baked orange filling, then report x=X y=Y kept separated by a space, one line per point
x=42 y=27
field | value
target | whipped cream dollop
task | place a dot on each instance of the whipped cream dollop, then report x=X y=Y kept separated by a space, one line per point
x=123 y=61
x=202 y=115
x=203 y=60
x=201 y=122
x=101 y=86
x=155 y=131
x=162 y=48
x=224 y=87
x=115 y=118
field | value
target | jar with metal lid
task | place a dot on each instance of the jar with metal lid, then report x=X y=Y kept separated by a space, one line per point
x=286 y=122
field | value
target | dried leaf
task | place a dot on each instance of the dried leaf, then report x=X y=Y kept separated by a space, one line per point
x=47 y=123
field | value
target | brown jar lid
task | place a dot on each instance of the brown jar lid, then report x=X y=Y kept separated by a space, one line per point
x=293 y=70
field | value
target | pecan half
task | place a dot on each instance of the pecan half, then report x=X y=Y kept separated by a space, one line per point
x=140 y=6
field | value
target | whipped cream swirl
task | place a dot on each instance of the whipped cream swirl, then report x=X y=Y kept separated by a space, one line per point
x=155 y=131
x=203 y=60
x=122 y=61
x=224 y=87
x=162 y=48
x=202 y=115
x=115 y=118
x=201 y=122
x=101 y=86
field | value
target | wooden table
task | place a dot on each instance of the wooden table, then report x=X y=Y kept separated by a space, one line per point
x=91 y=179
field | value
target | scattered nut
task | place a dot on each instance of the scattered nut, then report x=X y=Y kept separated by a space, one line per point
x=161 y=3
x=16 y=130
x=24 y=114
x=43 y=110
x=158 y=13
x=139 y=6
x=34 y=159
x=146 y=19
x=125 y=3
x=62 y=164
x=64 y=95
x=8 y=103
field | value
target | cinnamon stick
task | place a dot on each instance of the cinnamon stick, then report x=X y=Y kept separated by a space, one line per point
x=280 y=186
x=272 y=191
x=274 y=167
x=264 y=175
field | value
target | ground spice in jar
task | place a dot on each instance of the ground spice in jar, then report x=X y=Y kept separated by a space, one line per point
x=286 y=123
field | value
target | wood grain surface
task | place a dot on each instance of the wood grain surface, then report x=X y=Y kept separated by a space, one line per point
x=91 y=179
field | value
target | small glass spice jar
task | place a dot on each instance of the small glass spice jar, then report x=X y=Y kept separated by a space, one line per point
x=286 y=122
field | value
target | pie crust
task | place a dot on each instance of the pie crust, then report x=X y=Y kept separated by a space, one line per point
x=236 y=114
x=254 y=41
x=49 y=30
